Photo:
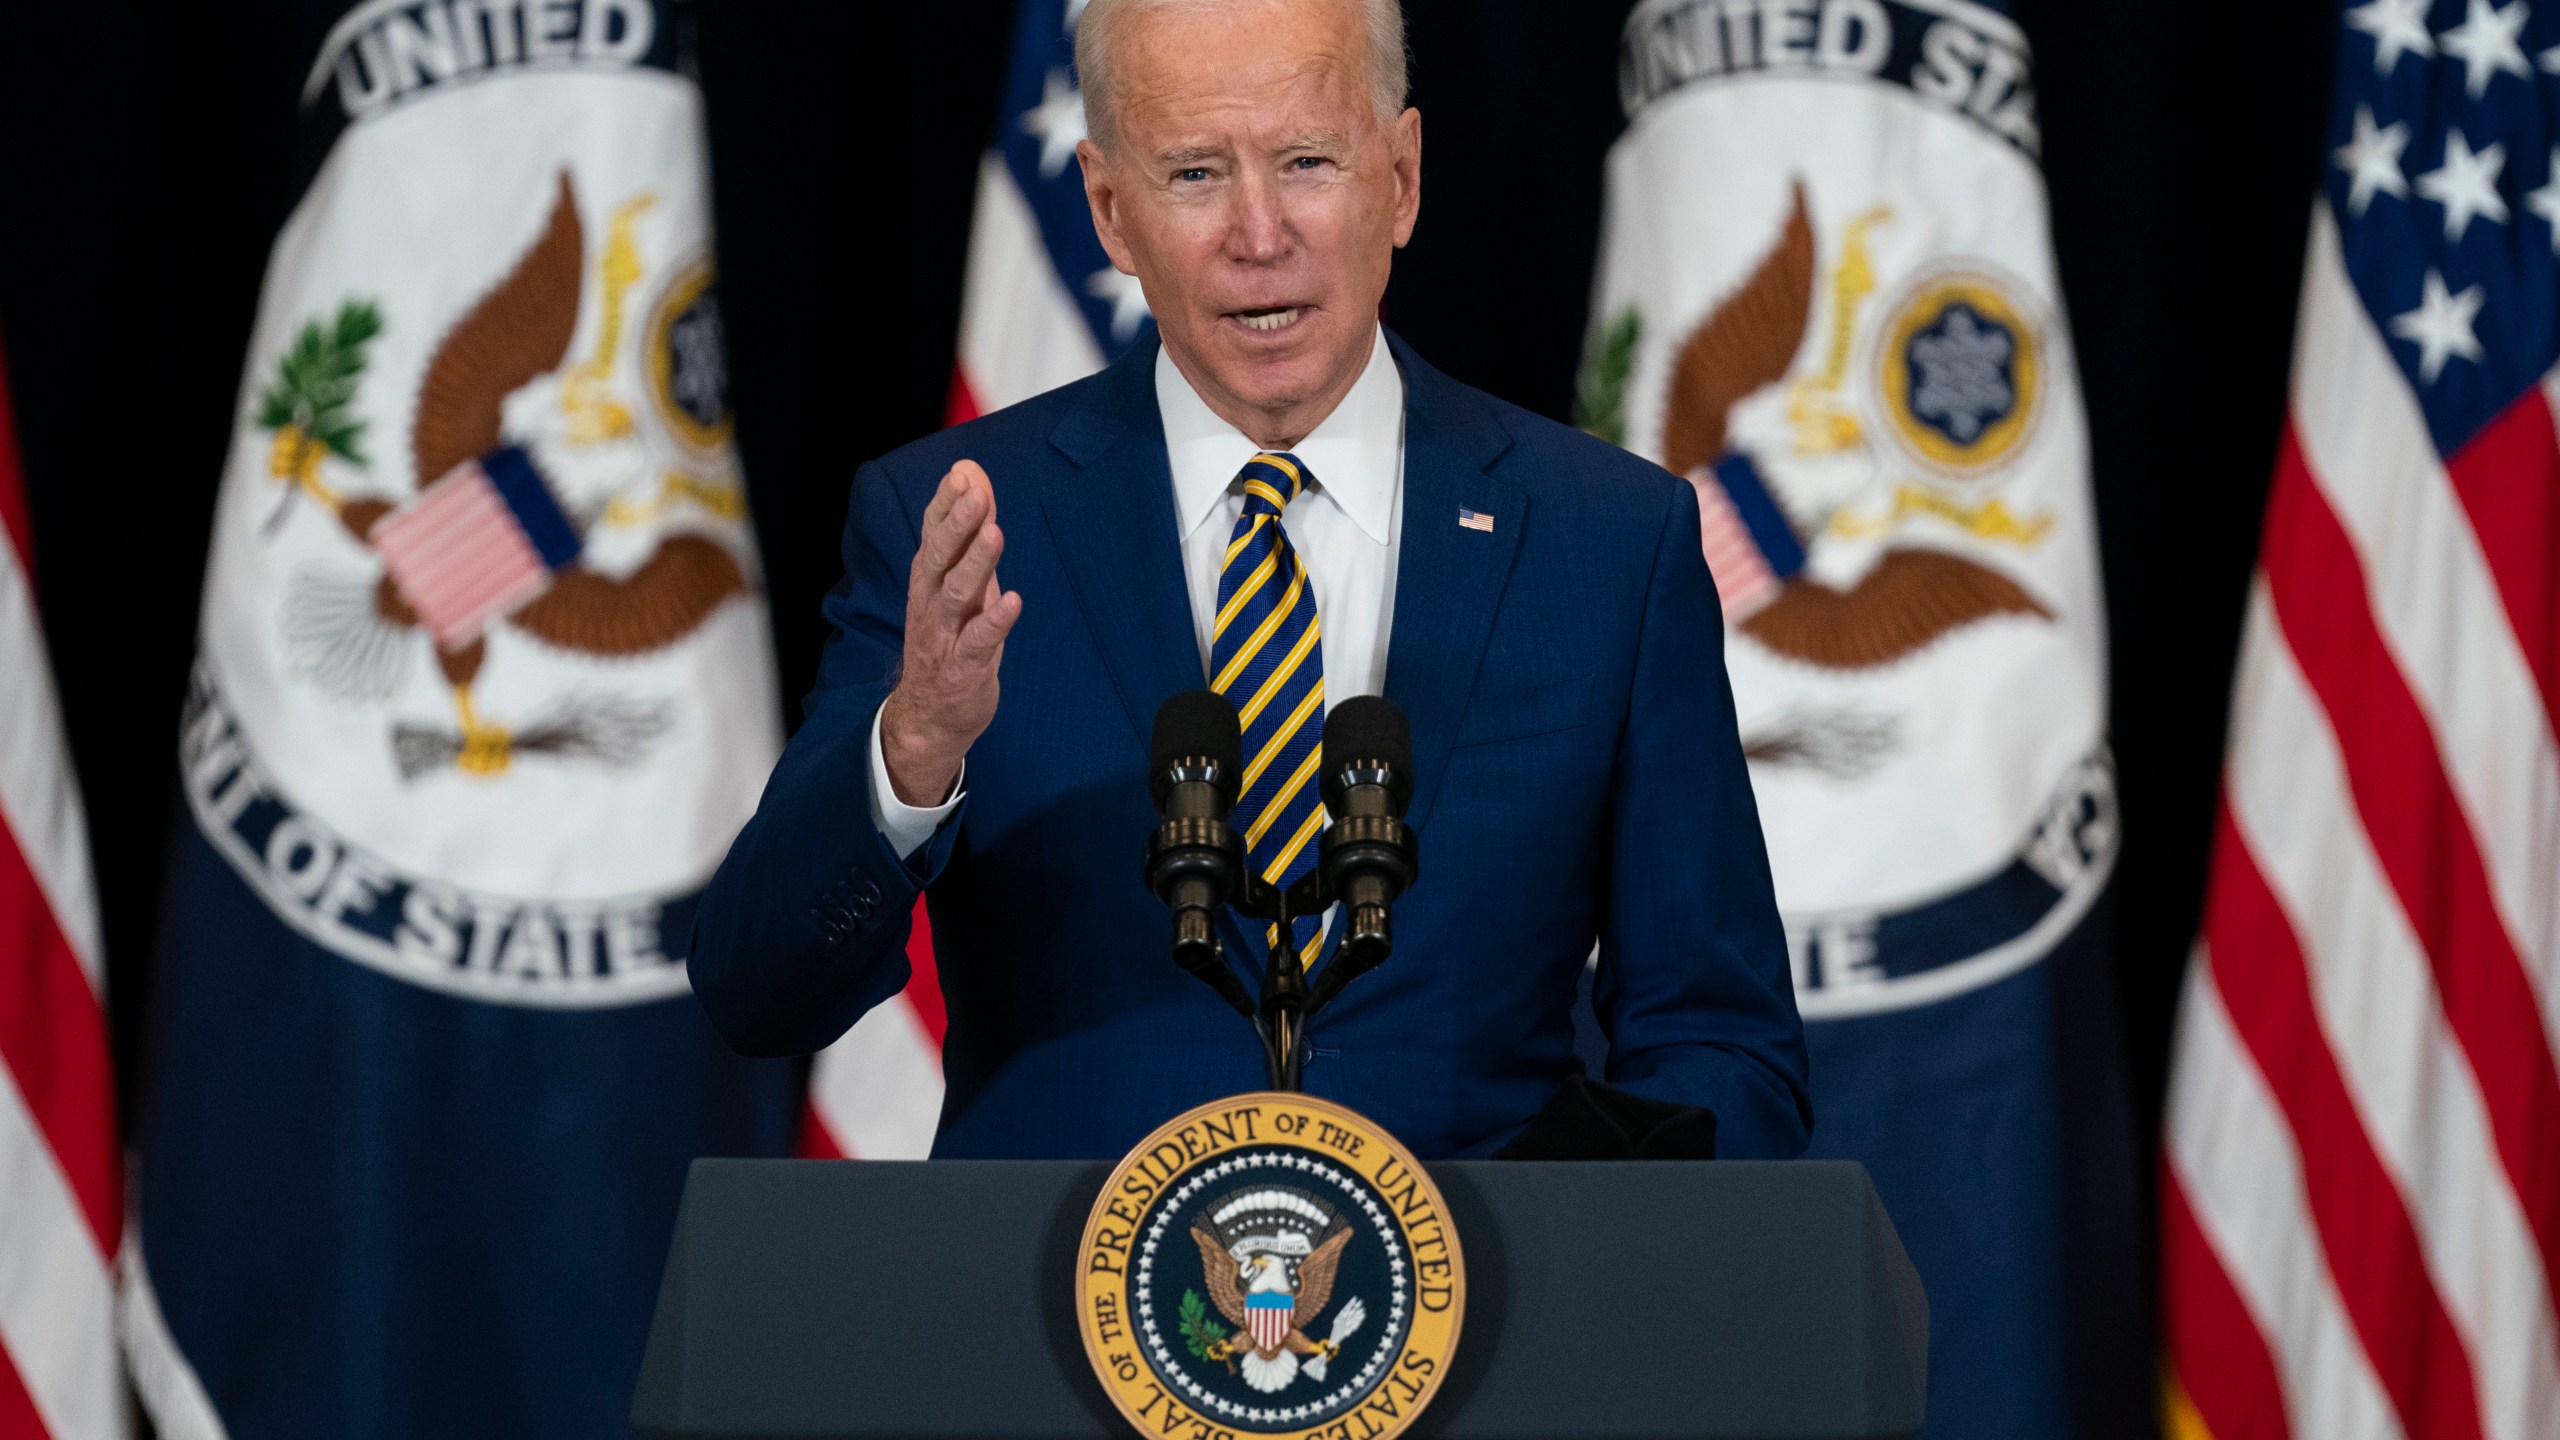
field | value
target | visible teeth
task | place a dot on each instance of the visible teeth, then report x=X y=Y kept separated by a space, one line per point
x=1277 y=319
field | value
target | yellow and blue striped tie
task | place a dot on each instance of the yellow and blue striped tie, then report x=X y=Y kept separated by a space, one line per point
x=1265 y=655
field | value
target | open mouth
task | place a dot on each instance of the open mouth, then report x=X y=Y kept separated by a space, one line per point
x=1267 y=321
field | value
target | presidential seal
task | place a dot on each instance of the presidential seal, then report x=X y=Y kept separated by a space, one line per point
x=1270 y=1264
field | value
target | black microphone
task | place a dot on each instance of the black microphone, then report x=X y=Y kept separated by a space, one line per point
x=1195 y=859
x=1368 y=857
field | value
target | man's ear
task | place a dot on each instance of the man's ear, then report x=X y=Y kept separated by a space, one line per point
x=1104 y=200
x=1408 y=152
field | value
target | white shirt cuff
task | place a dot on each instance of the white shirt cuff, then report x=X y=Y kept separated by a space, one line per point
x=908 y=827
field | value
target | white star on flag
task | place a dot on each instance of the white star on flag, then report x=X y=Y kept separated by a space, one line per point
x=1058 y=120
x=2545 y=202
x=1127 y=299
x=2485 y=43
x=2441 y=326
x=2372 y=159
x=2466 y=185
x=2398 y=27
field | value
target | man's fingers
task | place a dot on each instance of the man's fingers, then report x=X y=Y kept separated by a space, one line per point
x=959 y=510
x=964 y=588
x=976 y=479
x=949 y=539
x=943 y=494
x=961 y=478
x=937 y=512
x=984 y=635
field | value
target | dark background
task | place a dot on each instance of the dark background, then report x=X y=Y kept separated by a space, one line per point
x=147 y=158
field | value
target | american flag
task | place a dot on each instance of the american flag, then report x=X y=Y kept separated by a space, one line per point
x=2361 y=1205
x=476 y=545
x=61 y=1200
x=1040 y=306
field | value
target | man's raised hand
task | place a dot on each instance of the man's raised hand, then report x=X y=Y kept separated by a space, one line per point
x=957 y=620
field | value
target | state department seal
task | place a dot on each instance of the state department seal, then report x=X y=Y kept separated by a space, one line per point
x=1270 y=1264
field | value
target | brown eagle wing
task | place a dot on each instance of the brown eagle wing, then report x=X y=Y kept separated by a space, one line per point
x=1219 y=1267
x=1909 y=599
x=655 y=606
x=1747 y=341
x=1315 y=1275
x=519 y=330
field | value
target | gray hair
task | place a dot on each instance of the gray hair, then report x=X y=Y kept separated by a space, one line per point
x=1099 y=32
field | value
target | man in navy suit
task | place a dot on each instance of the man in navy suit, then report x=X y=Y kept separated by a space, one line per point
x=1287 y=504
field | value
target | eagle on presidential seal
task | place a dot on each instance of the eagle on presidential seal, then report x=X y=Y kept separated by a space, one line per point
x=535 y=486
x=1267 y=1258
x=1809 y=470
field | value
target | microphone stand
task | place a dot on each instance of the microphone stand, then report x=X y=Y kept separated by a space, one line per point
x=1195 y=860
x=1281 y=1015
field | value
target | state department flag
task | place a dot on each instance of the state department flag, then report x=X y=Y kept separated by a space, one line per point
x=1827 y=299
x=483 y=692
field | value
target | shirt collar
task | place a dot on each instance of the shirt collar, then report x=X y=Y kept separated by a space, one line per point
x=1356 y=454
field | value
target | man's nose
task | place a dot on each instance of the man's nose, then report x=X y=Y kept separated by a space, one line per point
x=1258 y=221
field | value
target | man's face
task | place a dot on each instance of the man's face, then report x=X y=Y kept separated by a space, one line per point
x=1257 y=199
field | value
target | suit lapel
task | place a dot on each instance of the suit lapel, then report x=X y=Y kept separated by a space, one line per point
x=1121 y=543
x=1114 y=526
x=1449 y=578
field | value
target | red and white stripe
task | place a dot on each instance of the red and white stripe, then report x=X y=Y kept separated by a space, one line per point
x=1744 y=581
x=2361 y=1217
x=61 y=1201
x=1270 y=1326
x=877 y=1093
x=1021 y=333
x=460 y=556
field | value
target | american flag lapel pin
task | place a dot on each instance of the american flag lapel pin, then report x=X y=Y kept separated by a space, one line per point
x=1474 y=520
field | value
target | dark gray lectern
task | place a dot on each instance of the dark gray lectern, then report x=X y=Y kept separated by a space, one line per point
x=1639 y=1301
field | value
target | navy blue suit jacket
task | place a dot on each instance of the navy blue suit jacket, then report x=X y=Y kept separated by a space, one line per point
x=1578 y=776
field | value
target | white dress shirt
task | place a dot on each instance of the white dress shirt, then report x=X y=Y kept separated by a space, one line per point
x=1344 y=527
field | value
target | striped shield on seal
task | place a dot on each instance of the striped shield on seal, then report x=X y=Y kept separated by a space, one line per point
x=1267 y=1314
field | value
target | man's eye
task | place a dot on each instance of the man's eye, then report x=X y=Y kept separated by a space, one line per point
x=1309 y=162
x=1194 y=173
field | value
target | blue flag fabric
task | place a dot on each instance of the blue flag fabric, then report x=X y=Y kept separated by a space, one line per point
x=1827 y=298
x=484 y=690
